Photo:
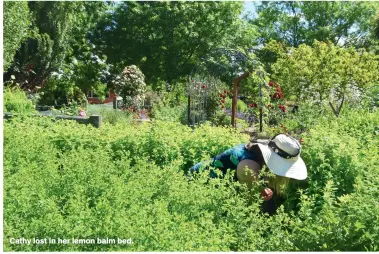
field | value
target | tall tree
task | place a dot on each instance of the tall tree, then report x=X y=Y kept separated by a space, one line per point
x=55 y=28
x=303 y=22
x=167 y=39
x=16 y=27
x=314 y=71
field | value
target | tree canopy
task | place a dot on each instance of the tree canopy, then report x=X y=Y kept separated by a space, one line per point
x=294 y=22
x=166 y=39
x=70 y=48
x=316 y=71
x=16 y=23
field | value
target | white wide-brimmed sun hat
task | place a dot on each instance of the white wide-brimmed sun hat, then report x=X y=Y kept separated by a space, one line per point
x=282 y=156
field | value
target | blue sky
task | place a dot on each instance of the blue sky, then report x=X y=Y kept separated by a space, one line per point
x=249 y=7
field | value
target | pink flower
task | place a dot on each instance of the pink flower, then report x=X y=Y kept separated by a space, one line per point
x=82 y=113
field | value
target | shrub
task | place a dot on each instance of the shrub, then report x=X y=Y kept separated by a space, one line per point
x=116 y=116
x=241 y=106
x=169 y=113
x=16 y=101
x=131 y=86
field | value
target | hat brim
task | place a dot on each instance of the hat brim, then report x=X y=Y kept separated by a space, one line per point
x=292 y=168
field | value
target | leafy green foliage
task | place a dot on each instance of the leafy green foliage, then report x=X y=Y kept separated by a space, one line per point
x=294 y=23
x=126 y=180
x=16 y=101
x=47 y=45
x=314 y=72
x=16 y=23
x=56 y=54
x=337 y=207
x=241 y=106
x=167 y=39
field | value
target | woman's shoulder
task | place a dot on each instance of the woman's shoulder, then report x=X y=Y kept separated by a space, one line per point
x=239 y=150
x=239 y=146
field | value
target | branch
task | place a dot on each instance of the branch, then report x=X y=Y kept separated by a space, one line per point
x=334 y=111
x=337 y=112
x=340 y=107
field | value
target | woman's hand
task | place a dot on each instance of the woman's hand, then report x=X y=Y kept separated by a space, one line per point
x=266 y=193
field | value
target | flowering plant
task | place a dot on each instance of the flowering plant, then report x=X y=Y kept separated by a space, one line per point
x=272 y=99
x=131 y=86
x=82 y=113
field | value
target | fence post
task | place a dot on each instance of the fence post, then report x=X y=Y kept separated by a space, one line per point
x=95 y=120
x=115 y=102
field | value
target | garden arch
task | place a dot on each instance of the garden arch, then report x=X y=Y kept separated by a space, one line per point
x=229 y=65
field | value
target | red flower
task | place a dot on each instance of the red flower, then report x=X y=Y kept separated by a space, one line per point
x=221 y=95
x=269 y=105
x=225 y=91
x=277 y=95
x=223 y=101
x=271 y=83
x=203 y=86
x=251 y=105
x=284 y=109
x=222 y=106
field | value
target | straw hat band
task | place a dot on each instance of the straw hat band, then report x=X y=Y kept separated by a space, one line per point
x=281 y=152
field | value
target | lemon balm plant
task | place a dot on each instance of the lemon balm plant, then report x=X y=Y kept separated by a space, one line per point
x=128 y=181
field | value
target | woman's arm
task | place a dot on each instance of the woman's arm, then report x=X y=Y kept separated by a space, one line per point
x=247 y=172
